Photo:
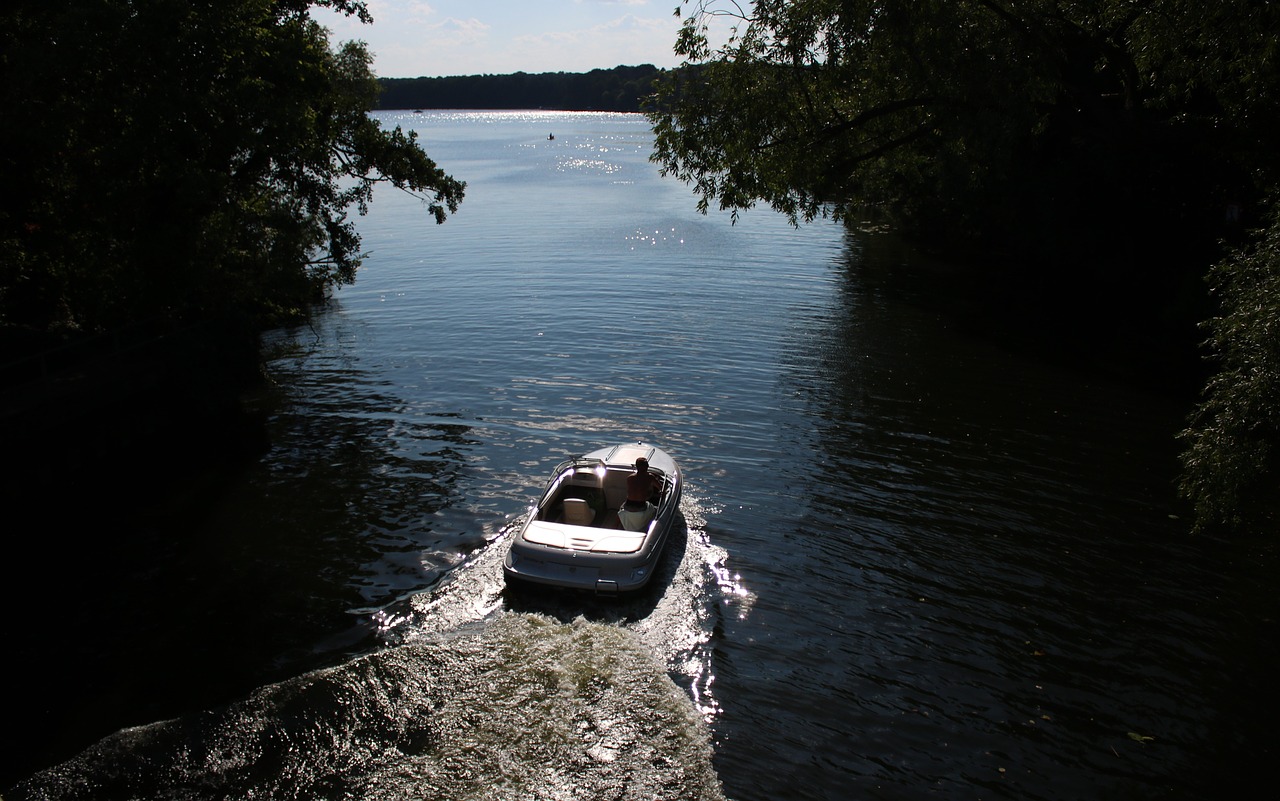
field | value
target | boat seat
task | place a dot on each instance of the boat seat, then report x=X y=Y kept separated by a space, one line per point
x=615 y=489
x=577 y=512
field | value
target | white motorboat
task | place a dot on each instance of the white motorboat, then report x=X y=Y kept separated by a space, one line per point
x=584 y=533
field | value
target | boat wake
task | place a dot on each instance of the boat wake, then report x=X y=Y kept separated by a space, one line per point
x=674 y=617
x=479 y=693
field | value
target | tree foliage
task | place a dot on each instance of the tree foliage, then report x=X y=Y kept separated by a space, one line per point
x=1033 y=125
x=1232 y=456
x=186 y=159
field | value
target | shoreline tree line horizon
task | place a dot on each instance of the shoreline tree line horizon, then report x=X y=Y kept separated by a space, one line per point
x=618 y=89
x=1110 y=162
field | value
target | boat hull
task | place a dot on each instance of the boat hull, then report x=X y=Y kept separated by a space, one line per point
x=573 y=537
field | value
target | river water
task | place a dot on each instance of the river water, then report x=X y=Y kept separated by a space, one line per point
x=914 y=561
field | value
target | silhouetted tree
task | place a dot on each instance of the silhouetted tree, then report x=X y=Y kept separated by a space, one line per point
x=979 y=120
x=1231 y=463
x=186 y=160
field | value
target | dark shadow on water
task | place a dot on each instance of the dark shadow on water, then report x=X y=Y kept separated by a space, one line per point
x=152 y=582
x=1145 y=335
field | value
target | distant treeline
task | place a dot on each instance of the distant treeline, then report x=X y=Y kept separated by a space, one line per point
x=617 y=89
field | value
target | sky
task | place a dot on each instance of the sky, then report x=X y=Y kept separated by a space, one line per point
x=433 y=38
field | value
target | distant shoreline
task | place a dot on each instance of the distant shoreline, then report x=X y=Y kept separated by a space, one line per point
x=619 y=89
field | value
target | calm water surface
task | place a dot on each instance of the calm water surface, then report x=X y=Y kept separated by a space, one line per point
x=914 y=564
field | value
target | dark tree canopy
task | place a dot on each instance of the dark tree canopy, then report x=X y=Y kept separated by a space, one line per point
x=1031 y=126
x=1231 y=461
x=186 y=159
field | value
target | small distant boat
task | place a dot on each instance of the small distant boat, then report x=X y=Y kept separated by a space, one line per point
x=584 y=534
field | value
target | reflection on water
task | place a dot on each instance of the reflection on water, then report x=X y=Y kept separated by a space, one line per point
x=979 y=565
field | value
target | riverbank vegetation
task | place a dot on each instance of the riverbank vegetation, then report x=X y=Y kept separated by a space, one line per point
x=1232 y=456
x=184 y=169
x=1090 y=161
x=187 y=160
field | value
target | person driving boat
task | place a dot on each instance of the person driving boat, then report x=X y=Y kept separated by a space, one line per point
x=642 y=486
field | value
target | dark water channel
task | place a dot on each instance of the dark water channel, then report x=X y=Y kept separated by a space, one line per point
x=917 y=560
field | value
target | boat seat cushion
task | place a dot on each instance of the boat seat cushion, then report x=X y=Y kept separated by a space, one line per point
x=578 y=512
x=615 y=488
